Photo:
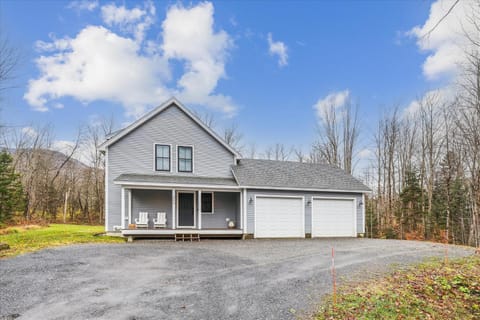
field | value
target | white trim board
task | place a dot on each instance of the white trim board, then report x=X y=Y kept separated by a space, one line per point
x=173 y=185
x=303 y=189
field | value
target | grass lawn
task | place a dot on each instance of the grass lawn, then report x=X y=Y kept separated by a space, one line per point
x=433 y=290
x=32 y=238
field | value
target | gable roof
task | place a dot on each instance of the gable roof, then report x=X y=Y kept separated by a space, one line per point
x=116 y=136
x=288 y=175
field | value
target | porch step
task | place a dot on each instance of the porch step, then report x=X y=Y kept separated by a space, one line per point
x=187 y=237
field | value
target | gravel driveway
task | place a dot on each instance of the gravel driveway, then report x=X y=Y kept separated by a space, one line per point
x=212 y=279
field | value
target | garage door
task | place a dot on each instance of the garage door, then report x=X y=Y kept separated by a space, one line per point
x=333 y=218
x=279 y=217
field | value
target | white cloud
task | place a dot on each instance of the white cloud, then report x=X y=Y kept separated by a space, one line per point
x=83 y=5
x=333 y=100
x=446 y=42
x=189 y=36
x=135 y=21
x=29 y=132
x=278 y=48
x=99 y=64
x=365 y=154
x=441 y=96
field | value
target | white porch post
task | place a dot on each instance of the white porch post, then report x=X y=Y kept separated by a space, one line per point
x=130 y=206
x=199 y=209
x=241 y=209
x=245 y=209
x=174 y=210
x=123 y=209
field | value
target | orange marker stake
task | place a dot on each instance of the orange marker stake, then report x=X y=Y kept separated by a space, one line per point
x=334 y=278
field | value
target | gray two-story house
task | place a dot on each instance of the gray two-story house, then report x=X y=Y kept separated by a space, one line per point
x=170 y=162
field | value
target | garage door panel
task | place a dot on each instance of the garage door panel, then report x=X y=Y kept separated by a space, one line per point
x=277 y=217
x=333 y=218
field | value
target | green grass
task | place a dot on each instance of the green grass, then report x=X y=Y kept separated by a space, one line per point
x=432 y=290
x=33 y=238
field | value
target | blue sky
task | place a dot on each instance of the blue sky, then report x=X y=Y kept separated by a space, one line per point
x=229 y=55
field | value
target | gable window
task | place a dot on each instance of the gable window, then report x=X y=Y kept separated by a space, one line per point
x=207 y=202
x=162 y=157
x=185 y=159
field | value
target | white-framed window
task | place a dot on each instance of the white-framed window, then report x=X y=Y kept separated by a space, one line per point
x=207 y=202
x=185 y=159
x=162 y=157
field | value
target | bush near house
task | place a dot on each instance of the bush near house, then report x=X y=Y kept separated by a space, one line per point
x=23 y=239
x=432 y=290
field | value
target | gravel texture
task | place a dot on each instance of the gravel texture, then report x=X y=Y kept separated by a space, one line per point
x=211 y=279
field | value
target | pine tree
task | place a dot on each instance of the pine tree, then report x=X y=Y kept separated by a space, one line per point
x=411 y=199
x=12 y=197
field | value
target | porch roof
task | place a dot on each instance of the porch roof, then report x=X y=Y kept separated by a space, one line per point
x=167 y=180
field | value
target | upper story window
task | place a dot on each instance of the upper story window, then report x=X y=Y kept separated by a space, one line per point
x=185 y=159
x=162 y=157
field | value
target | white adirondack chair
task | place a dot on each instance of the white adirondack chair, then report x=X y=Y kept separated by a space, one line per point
x=142 y=220
x=161 y=220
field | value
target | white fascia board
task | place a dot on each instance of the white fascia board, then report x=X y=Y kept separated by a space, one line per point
x=305 y=189
x=174 y=185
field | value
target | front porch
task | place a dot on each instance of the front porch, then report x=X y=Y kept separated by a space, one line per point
x=201 y=212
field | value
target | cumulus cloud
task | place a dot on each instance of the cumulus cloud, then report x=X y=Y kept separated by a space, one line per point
x=279 y=49
x=135 y=21
x=446 y=43
x=83 y=5
x=189 y=36
x=101 y=64
x=332 y=100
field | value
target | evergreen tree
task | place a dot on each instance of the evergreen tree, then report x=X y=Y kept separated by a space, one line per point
x=12 y=197
x=411 y=214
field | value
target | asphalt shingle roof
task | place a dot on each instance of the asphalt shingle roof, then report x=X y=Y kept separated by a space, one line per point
x=288 y=174
x=171 y=179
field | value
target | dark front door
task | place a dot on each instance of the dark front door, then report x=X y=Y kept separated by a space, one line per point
x=186 y=209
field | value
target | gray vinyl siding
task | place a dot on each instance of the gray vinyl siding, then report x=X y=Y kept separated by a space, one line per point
x=152 y=201
x=226 y=205
x=308 y=209
x=134 y=154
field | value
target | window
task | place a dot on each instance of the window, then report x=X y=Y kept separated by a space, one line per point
x=162 y=157
x=207 y=202
x=185 y=159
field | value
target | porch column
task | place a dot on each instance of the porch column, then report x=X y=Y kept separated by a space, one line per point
x=244 y=213
x=123 y=209
x=241 y=209
x=199 y=209
x=174 y=205
x=130 y=206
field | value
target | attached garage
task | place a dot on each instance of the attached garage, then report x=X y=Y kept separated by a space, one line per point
x=279 y=217
x=334 y=217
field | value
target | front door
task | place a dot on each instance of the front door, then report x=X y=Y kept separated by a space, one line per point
x=186 y=209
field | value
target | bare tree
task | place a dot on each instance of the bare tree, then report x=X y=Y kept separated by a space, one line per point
x=9 y=61
x=300 y=156
x=233 y=137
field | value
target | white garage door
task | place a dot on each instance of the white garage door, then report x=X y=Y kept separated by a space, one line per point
x=333 y=218
x=277 y=217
